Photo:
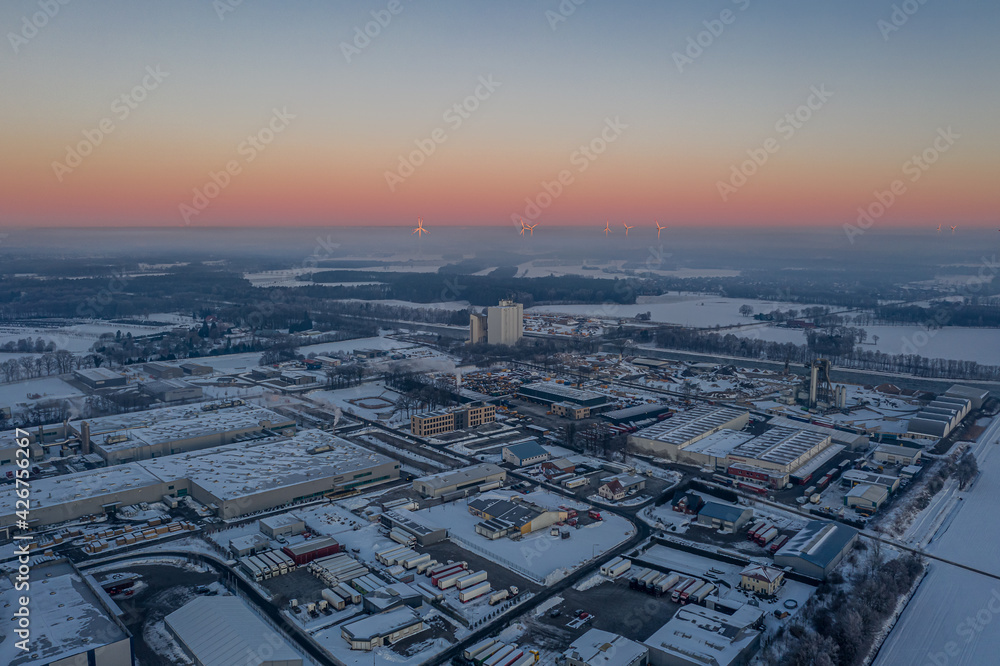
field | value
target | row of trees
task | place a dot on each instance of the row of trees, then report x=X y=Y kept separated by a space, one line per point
x=55 y=363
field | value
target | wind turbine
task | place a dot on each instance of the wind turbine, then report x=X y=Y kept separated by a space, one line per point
x=953 y=227
x=658 y=229
x=626 y=228
x=522 y=226
x=420 y=231
x=939 y=228
x=531 y=228
x=607 y=229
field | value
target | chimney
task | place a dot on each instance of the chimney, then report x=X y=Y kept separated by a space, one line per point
x=84 y=438
x=65 y=430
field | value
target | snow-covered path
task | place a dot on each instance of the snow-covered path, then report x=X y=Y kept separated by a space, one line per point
x=954 y=617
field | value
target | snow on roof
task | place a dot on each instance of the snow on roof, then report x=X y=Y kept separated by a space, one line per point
x=247 y=468
x=697 y=634
x=527 y=450
x=870 y=493
x=176 y=423
x=719 y=444
x=55 y=490
x=603 y=648
x=381 y=624
x=781 y=446
x=76 y=624
x=460 y=476
x=97 y=374
x=280 y=520
x=690 y=424
x=820 y=542
x=222 y=631
x=762 y=572
x=724 y=512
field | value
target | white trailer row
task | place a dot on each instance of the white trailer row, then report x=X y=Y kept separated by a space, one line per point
x=474 y=592
x=471 y=579
x=335 y=569
x=405 y=538
x=335 y=600
x=267 y=564
x=616 y=567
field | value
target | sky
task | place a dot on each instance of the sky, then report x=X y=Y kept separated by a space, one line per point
x=572 y=112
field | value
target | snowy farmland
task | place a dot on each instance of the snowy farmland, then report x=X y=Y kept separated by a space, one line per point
x=952 y=617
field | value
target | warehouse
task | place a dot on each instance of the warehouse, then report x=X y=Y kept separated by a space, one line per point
x=99 y=378
x=668 y=438
x=817 y=549
x=195 y=369
x=466 y=479
x=172 y=390
x=940 y=416
x=851 y=440
x=697 y=636
x=637 y=414
x=84 y=629
x=502 y=517
x=602 y=648
x=976 y=396
x=281 y=525
x=866 y=497
x=525 y=453
x=161 y=432
x=391 y=596
x=382 y=629
x=222 y=631
x=550 y=392
x=724 y=517
x=897 y=455
x=780 y=449
x=162 y=370
x=243 y=478
x=713 y=451
x=425 y=536
x=761 y=579
x=854 y=477
x=234 y=480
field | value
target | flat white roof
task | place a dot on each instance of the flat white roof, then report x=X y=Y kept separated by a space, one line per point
x=706 y=636
x=719 y=444
x=603 y=648
x=222 y=631
x=56 y=490
x=247 y=468
x=781 y=446
x=691 y=424
x=459 y=476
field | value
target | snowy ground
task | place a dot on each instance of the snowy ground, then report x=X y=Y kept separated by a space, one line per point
x=544 y=556
x=46 y=387
x=948 y=621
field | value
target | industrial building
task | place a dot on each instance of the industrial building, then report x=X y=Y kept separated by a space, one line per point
x=851 y=440
x=941 y=416
x=762 y=579
x=524 y=454
x=618 y=486
x=724 y=516
x=897 y=455
x=603 y=648
x=976 y=396
x=391 y=596
x=162 y=370
x=160 y=432
x=668 y=438
x=637 y=414
x=457 y=418
x=866 y=497
x=235 y=479
x=382 y=628
x=222 y=631
x=172 y=390
x=548 y=393
x=817 y=548
x=85 y=628
x=196 y=369
x=281 y=525
x=99 y=378
x=570 y=410
x=477 y=328
x=459 y=480
x=424 y=535
x=505 y=323
x=856 y=477
x=774 y=455
x=502 y=517
x=697 y=636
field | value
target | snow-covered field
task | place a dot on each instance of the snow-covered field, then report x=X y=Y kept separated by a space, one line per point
x=687 y=309
x=47 y=387
x=951 y=620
